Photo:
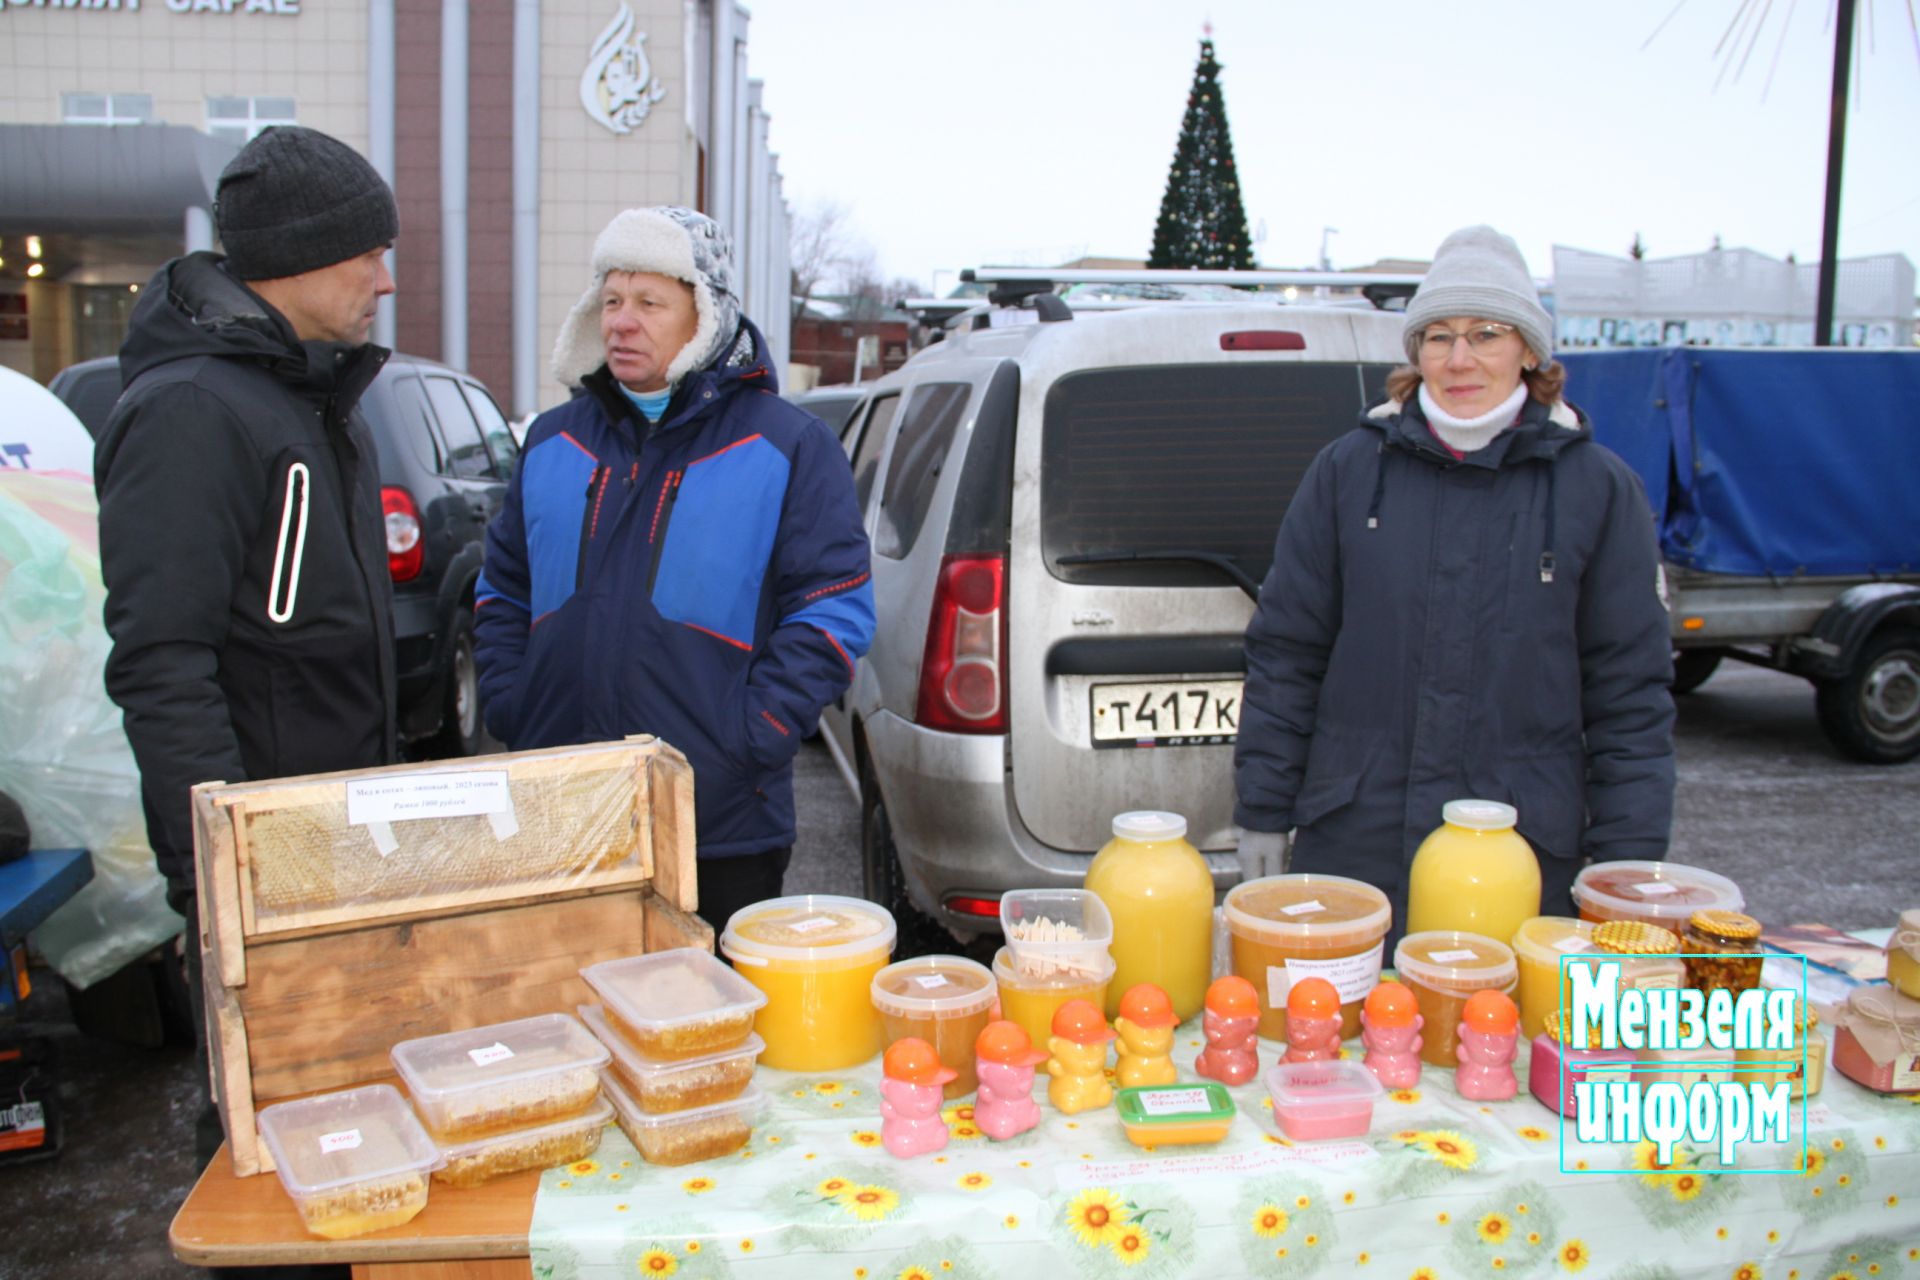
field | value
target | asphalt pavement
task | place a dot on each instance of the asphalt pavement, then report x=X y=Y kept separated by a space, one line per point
x=1762 y=798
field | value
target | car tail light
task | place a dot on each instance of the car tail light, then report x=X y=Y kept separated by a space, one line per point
x=406 y=545
x=963 y=687
x=1262 y=340
x=969 y=905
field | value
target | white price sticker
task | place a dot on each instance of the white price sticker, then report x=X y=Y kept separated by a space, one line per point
x=1461 y=956
x=1653 y=889
x=932 y=981
x=1303 y=908
x=811 y=924
x=1574 y=945
x=1175 y=1102
x=345 y=1140
x=1351 y=976
x=495 y=1052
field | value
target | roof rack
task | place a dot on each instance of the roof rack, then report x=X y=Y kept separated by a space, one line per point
x=1013 y=285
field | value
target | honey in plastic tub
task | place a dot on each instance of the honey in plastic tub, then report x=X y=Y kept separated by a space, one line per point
x=502 y=1077
x=1656 y=893
x=1537 y=946
x=1032 y=1001
x=1443 y=968
x=680 y=1003
x=1474 y=873
x=353 y=1162
x=1903 y=955
x=946 y=1001
x=468 y=1164
x=1307 y=926
x=676 y=1084
x=814 y=957
x=686 y=1137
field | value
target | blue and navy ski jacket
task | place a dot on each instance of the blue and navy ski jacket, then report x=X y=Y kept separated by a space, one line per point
x=703 y=578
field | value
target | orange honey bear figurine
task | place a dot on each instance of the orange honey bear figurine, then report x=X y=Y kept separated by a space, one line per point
x=1145 y=1027
x=1079 y=1062
x=1391 y=1022
x=912 y=1087
x=1231 y=1023
x=1489 y=1037
x=1313 y=1021
x=1004 y=1060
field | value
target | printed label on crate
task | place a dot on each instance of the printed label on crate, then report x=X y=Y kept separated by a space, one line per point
x=1653 y=889
x=452 y=794
x=495 y=1052
x=345 y=1140
x=1302 y=908
x=1461 y=956
x=1175 y=1102
x=1351 y=976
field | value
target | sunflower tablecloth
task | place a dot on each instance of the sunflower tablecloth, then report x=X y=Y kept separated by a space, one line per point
x=1440 y=1188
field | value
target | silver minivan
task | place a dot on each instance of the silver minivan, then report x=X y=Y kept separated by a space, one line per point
x=1070 y=517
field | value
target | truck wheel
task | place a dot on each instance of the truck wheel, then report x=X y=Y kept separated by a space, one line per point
x=883 y=882
x=1873 y=712
x=1691 y=667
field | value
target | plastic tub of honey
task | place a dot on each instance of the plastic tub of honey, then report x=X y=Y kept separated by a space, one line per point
x=1537 y=946
x=1032 y=1001
x=354 y=1161
x=1657 y=893
x=506 y=1076
x=1284 y=928
x=814 y=957
x=468 y=1164
x=1443 y=968
x=676 y=1084
x=1175 y=1115
x=946 y=1001
x=680 y=1003
x=683 y=1137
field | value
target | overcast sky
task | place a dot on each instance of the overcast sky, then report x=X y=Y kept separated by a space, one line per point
x=1033 y=131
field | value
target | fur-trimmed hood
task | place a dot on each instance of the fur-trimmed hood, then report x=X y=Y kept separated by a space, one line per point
x=666 y=240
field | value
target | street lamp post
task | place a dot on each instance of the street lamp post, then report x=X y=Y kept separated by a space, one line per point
x=1836 y=148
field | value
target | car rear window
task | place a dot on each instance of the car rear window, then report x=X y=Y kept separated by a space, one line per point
x=913 y=470
x=1193 y=458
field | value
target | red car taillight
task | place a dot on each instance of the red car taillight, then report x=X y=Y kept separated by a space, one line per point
x=963 y=687
x=406 y=545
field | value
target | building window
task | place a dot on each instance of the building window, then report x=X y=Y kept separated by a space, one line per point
x=106 y=108
x=237 y=120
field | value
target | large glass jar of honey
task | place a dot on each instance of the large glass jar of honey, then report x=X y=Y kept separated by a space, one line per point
x=1284 y=928
x=1158 y=890
x=1474 y=873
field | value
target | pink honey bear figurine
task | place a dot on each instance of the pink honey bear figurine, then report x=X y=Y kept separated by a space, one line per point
x=1390 y=1029
x=1489 y=1037
x=911 y=1091
x=1313 y=1021
x=1231 y=1023
x=1004 y=1060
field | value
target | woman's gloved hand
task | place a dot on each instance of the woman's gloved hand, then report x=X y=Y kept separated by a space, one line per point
x=1263 y=853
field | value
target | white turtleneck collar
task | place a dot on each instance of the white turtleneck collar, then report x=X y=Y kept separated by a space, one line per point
x=1470 y=435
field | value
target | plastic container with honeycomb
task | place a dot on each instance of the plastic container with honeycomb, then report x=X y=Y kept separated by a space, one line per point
x=562 y=1142
x=684 y=1137
x=501 y=1078
x=681 y=1003
x=353 y=1162
x=677 y=1084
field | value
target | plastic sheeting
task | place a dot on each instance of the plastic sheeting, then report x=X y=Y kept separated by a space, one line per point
x=63 y=753
x=1767 y=463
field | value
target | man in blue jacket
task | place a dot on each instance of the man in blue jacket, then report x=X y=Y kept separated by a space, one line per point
x=680 y=552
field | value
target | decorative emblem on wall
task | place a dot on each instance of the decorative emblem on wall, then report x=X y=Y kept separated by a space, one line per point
x=618 y=87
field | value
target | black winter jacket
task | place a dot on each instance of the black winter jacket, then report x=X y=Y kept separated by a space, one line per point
x=1436 y=628
x=243 y=549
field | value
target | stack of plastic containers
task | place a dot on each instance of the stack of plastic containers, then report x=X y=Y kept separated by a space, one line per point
x=1057 y=950
x=507 y=1097
x=679 y=1026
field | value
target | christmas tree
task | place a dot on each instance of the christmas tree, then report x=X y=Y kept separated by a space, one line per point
x=1202 y=223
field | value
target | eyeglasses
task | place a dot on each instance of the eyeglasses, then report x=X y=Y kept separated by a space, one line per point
x=1481 y=338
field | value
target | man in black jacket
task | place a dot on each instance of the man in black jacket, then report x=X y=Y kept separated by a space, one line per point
x=241 y=534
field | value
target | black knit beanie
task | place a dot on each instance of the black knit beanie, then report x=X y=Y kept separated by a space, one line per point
x=296 y=200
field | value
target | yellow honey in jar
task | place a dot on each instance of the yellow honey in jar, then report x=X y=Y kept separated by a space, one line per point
x=1284 y=928
x=1158 y=890
x=814 y=956
x=1032 y=998
x=1474 y=874
x=1903 y=955
x=1538 y=945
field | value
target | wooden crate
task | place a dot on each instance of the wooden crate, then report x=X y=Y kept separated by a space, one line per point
x=312 y=999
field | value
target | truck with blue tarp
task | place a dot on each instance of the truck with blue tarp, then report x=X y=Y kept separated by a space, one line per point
x=1786 y=486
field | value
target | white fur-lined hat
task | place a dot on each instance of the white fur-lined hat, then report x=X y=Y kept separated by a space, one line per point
x=666 y=240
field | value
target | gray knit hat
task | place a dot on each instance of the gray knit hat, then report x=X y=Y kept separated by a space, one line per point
x=1479 y=273
x=296 y=200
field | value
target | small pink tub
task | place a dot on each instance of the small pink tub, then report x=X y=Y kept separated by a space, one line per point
x=1318 y=1100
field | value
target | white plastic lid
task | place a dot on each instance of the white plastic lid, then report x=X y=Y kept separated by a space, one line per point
x=1149 y=825
x=639 y=1064
x=436 y=1067
x=672 y=988
x=1453 y=960
x=810 y=927
x=1480 y=815
x=594 y=1117
x=1321 y=1084
x=748 y=1106
x=936 y=986
x=339 y=1139
x=1653 y=891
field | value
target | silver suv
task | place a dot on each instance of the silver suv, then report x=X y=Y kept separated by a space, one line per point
x=1070 y=518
